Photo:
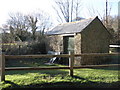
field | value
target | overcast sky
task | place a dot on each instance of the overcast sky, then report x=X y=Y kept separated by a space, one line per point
x=28 y=6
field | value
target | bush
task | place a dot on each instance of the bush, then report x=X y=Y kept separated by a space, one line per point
x=30 y=48
x=38 y=48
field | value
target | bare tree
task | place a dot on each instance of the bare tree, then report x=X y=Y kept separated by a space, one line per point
x=42 y=23
x=33 y=25
x=94 y=12
x=77 y=6
x=106 y=12
x=67 y=9
x=119 y=14
x=18 y=25
x=104 y=16
x=18 y=21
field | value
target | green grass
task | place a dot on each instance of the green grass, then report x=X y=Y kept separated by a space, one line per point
x=83 y=78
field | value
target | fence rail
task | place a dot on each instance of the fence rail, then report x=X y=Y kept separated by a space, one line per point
x=70 y=67
x=35 y=56
x=62 y=55
x=51 y=68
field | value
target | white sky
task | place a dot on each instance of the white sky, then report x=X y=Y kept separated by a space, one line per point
x=27 y=6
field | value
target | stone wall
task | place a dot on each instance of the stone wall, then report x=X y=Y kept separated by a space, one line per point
x=77 y=43
x=77 y=48
x=56 y=43
x=95 y=39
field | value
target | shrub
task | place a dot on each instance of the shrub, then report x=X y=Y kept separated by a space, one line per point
x=31 y=48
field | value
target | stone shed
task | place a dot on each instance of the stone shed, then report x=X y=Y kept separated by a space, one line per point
x=84 y=36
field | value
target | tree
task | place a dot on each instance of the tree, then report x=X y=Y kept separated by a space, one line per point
x=32 y=22
x=21 y=26
x=116 y=26
x=104 y=15
x=5 y=36
x=39 y=22
x=67 y=9
x=18 y=25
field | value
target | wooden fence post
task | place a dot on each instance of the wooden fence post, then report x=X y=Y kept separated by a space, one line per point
x=71 y=63
x=2 y=67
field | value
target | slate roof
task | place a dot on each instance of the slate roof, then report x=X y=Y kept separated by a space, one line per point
x=71 y=27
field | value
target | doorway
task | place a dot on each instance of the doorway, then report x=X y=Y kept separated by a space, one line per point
x=68 y=44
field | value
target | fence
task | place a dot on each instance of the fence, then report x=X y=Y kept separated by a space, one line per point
x=70 y=67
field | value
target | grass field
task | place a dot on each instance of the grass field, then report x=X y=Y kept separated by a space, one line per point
x=83 y=78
